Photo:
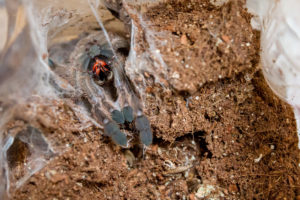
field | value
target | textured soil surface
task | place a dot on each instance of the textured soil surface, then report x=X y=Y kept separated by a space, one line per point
x=219 y=131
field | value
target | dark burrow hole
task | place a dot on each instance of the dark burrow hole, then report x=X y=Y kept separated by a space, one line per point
x=199 y=138
x=17 y=153
x=124 y=51
x=25 y=142
x=137 y=148
x=137 y=151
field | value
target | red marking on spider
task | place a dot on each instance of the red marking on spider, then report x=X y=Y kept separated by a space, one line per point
x=100 y=66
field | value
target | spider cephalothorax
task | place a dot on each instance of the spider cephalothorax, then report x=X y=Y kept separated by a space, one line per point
x=100 y=69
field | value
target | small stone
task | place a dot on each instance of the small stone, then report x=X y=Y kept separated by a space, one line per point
x=233 y=188
x=176 y=75
x=146 y=74
x=184 y=39
x=149 y=90
x=79 y=184
x=225 y=38
x=192 y=197
x=159 y=151
x=129 y=157
x=48 y=176
x=154 y=148
x=58 y=177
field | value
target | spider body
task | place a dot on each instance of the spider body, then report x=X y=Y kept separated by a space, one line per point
x=100 y=68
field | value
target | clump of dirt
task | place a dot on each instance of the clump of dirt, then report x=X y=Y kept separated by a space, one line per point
x=204 y=43
x=219 y=130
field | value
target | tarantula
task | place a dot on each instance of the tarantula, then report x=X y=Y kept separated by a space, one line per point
x=96 y=71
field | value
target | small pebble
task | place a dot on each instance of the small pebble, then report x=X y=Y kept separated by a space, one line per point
x=176 y=75
x=184 y=39
x=225 y=38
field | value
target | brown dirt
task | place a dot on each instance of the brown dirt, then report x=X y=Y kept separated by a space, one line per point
x=217 y=125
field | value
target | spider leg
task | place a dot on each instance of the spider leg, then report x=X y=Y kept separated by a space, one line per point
x=111 y=128
x=143 y=125
x=105 y=69
x=131 y=105
x=98 y=71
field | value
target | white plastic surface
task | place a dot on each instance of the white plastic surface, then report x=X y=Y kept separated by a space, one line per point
x=279 y=22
